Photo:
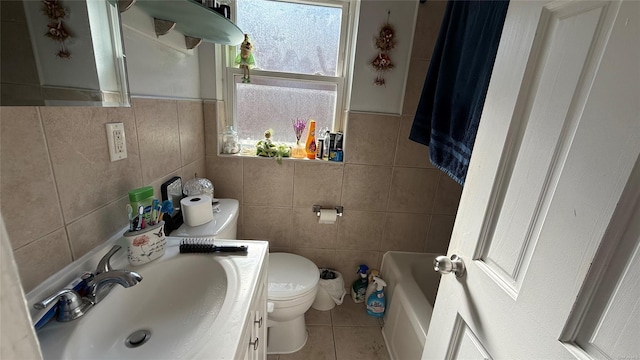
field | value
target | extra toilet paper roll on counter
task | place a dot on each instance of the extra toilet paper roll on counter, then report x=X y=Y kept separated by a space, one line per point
x=328 y=216
x=196 y=210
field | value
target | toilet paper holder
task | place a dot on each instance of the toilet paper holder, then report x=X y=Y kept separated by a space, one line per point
x=316 y=209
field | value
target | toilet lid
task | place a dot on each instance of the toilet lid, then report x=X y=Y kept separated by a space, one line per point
x=290 y=275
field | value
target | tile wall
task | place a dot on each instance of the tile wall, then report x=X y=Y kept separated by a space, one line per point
x=62 y=196
x=393 y=198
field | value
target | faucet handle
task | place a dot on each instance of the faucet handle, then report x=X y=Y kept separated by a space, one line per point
x=104 y=265
x=70 y=304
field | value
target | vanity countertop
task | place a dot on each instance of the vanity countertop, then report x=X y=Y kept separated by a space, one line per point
x=222 y=341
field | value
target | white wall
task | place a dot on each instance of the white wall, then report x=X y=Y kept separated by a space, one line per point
x=158 y=67
x=365 y=96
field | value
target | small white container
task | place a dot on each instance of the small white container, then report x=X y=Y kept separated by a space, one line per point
x=146 y=245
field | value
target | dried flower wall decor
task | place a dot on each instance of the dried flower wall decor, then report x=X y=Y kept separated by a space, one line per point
x=56 y=28
x=385 y=42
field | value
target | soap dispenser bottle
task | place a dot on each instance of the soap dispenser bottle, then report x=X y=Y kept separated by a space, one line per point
x=359 y=287
x=376 y=302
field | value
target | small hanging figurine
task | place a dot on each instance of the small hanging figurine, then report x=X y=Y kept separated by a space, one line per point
x=385 y=42
x=245 y=59
x=57 y=30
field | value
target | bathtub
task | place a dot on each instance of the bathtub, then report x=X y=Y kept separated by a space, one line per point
x=411 y=290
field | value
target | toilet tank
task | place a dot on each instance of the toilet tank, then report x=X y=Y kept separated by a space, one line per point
x=223 y=226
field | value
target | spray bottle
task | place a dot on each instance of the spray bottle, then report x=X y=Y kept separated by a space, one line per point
x=359 y=286
x=376 y=302
x=371 y=287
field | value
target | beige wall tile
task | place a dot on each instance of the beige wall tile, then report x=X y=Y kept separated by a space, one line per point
x=29 y=204
x=267 y=183
x=371 y=138
x=85 y=176
x=268 y=223
x=309 y=233
x=415 y=82
x=210 y=127
x=439 y=234
x=159 y=137
x=413 y=190
x=191 y=122
x=447 y=196
x=360 y=230
x=405 y=232
x=317 y=183
x=95 y=228
x=226 y=175
x=199 y=167
x=366 y=187
x=410 y=153
x=42 y=258
x=323 y=258
x=427 y=28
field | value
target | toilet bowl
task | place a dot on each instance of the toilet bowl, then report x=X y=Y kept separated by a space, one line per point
x=292 y=288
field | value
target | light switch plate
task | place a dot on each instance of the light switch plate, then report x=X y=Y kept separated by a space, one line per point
x=117 y=141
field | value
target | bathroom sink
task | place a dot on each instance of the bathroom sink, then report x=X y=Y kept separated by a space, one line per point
x=171 y=313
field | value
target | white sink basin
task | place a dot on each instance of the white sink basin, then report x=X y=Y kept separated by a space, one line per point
x=180 y=299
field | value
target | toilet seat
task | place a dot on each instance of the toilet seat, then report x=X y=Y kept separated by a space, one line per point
x=291 y=276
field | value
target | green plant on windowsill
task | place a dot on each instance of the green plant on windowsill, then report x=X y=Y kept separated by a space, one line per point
x=266 y=147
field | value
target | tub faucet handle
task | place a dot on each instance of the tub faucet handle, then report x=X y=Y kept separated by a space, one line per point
x=445 y=265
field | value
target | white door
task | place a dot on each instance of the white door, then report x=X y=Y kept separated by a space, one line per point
x=553 y=160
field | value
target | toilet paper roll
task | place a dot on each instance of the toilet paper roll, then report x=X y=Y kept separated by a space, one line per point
x=328 y=216
x=196 y=210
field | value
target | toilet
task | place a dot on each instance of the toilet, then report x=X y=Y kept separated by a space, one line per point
x=292 y=281
x=293 y=285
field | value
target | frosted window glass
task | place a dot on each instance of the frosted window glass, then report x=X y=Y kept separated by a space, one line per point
x=289 y=37
x=267 y=109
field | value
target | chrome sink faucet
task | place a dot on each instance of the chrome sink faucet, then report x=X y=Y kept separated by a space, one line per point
x=71 y=305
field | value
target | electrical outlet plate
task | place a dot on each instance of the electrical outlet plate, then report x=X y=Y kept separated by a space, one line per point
x=117 y=142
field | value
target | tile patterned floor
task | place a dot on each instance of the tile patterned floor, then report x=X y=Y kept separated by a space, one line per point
x=344 y=333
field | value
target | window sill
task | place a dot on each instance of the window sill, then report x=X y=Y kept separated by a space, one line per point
x=253 y=156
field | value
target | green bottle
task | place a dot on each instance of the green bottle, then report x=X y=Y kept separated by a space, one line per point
x=359 y=287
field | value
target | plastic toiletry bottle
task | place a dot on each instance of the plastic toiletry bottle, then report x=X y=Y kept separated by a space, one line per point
x=376 y=302
x=325 y=151
x=371 y=287
x=359 y=286
x=310 y=146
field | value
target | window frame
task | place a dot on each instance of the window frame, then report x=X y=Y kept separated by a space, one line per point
x=342 y=80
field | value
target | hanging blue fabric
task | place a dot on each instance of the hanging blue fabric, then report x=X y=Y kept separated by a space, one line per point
x=453 y=95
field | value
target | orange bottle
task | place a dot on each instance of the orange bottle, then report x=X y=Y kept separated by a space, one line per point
x=310 y=146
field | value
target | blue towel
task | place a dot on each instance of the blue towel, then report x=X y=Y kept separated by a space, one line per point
x=453 y=95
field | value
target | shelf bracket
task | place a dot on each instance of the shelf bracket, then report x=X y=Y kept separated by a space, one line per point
x=124 y=5
x=163 y=26
x=192 y=42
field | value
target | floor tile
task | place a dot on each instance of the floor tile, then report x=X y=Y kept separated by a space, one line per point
x=317 y=317
x=352 y=314
x=359 y=343
x=319 y=346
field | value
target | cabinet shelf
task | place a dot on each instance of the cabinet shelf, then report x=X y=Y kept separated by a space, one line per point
x=193 y=20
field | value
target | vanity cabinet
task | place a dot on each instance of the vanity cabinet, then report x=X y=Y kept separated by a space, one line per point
x=254 y=339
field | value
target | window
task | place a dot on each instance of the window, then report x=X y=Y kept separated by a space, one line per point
x=299 y=50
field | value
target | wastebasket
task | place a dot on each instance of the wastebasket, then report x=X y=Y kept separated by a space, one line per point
x=330 y=290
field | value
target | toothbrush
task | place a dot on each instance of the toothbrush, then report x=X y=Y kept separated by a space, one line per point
x=154 y=213
x=140 y=213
